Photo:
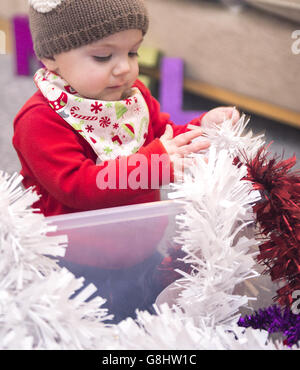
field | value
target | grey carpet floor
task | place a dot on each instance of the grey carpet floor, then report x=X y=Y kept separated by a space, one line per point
x=17 y=89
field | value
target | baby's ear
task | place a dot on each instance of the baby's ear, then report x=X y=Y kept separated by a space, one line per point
x=50 y=64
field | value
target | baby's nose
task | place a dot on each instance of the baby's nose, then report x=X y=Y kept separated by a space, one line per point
x=122 y=67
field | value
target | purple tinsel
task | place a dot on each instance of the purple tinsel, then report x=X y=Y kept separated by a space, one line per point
x=275 y=320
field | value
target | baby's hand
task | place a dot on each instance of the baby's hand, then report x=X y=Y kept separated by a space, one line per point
x=180 y=146
x=219 y=115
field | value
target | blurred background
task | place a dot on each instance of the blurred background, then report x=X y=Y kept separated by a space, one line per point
x=198 y=54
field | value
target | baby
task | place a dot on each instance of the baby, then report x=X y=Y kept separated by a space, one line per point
x=91 y=117
x=88 y=137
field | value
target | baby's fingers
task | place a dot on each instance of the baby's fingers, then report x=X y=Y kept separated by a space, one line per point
x=187 y=137
x=193 y=147
x=235 y=115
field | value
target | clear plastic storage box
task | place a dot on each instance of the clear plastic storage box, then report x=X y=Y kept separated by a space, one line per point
x=120 y=250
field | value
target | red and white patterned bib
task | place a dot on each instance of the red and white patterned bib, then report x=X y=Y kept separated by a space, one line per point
x=112 y=128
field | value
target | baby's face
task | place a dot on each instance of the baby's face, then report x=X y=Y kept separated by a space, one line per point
x=103 y=70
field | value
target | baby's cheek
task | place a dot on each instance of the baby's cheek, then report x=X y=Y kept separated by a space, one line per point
x=95 y=77
x=135 y=71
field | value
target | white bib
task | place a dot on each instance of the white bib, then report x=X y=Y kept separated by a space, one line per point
x=112 y=128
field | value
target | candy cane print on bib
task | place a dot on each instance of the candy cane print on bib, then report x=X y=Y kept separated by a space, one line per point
x=73 y=111
x=112 y=128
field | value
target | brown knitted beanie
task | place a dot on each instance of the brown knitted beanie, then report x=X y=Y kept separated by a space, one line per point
x=61 y=25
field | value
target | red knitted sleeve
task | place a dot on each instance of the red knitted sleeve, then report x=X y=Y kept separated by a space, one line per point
x=57 y=160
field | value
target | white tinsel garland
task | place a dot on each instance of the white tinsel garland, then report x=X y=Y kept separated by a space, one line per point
x=36 y=311
x=23 y=236
x=171 y=329
x=234 y=138
x=212 y=230
x=36 y=308
x=215 y=213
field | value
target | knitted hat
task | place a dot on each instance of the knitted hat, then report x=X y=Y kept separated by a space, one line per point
x=61 y=25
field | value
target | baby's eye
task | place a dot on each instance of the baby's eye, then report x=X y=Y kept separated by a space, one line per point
x=102 y=59
x=133 y=54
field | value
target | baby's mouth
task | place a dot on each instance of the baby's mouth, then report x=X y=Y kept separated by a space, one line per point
x=124 y=90
x=121 y=85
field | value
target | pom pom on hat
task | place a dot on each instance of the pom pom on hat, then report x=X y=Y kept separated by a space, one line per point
x=44 y=6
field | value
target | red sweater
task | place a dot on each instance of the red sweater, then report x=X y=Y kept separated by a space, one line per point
x=64 y=172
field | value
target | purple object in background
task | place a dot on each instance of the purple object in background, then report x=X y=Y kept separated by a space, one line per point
x=171 y=91
x=24 y=53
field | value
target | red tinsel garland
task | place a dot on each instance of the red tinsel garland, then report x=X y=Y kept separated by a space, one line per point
x=278 y=217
